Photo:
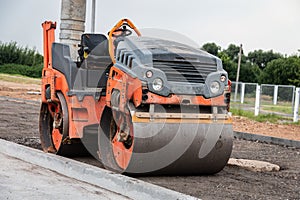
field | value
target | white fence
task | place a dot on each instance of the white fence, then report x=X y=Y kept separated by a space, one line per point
x=277 y=99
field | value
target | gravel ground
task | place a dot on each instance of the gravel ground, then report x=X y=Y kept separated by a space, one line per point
x=19 y=123
x=26 y=88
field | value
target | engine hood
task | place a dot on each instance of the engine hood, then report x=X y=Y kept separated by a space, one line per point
x=183 y=69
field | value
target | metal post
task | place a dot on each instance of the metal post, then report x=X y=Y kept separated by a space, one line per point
x=243 y=93
x=296 y=107
x=257 y=101
x=275 y=96
x=238 y=73
x=293 y=98
x=72 y=24
x=93 y=16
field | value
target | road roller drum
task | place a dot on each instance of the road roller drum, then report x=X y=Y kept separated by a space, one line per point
x=164 y=146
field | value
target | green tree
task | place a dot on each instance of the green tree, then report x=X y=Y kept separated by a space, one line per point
x=19 y=60
x=282 y=71
x=249 y=73
x=297 y=80
x=228 y=65
x=258 y=66
x=262 y=58
x=233 y=52
x=12 y=53
x=211 y=48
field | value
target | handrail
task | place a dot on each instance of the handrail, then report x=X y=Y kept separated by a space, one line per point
x=115 y=28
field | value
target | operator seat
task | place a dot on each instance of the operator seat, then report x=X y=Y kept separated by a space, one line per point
x=95 y=61
x=93 y=52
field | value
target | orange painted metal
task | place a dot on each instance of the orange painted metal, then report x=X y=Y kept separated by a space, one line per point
x=47 y=73
x=228 y=92
x=178 y=99
x=121 y=153
x=56 y=138
x=88 y=112
x=129 y=87
x=114 y=29
x=49 y=37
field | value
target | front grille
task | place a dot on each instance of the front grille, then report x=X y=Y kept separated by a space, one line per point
x=185 y=71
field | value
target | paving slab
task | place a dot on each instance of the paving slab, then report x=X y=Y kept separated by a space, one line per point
x=254 y=165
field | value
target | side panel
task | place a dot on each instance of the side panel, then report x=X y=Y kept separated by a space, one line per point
x=62 y=62
x=81 y=113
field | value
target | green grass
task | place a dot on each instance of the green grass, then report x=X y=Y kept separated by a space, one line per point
x=272 y=118
x=19 y=79
x=282 y=107
x=278 y=108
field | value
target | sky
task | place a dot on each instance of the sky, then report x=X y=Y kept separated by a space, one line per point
x=257 y=24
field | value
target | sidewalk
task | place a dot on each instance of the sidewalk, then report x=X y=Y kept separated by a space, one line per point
x=27 y=173
x=22 y=180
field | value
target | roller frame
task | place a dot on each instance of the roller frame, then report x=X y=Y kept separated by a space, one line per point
x=174 y=143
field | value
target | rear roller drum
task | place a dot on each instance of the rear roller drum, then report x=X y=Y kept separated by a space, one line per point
x=54 y=129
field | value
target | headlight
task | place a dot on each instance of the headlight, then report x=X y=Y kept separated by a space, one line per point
x=157 y=84
x=149 y=74
x=214 y=87
x=223 y=78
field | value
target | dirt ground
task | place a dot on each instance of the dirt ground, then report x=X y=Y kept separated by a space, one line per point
x=19 y=123
x=288 y=131
x=241 y=124
x=19 y=90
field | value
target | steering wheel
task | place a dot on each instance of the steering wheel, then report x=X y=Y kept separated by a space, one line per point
x=124 y=32
x=121 y=28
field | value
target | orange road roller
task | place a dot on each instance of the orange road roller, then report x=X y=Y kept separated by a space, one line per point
x=141 y=105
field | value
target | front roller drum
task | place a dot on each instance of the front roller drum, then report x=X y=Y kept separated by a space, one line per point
x=163 y=147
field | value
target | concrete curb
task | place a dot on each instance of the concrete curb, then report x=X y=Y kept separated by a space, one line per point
x=127 y=186
x=267 y=139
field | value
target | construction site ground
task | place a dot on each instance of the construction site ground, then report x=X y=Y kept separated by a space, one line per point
x=19 y=123
x=30 y=89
